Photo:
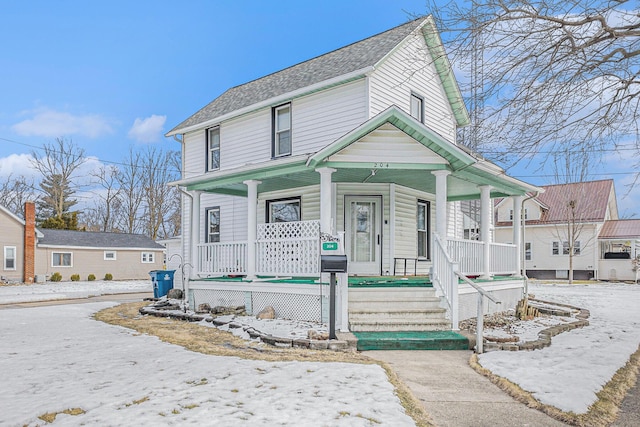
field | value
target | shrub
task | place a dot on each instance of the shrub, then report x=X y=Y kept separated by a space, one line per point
x=56 y=277
x=75 y=277
x=108 y=276
x=91 y=277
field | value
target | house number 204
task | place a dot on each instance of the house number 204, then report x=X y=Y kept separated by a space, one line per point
x=381 y=165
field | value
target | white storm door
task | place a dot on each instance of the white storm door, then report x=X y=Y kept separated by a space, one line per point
x=363 y=227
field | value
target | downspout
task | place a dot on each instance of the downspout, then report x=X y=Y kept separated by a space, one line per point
x=524 y=243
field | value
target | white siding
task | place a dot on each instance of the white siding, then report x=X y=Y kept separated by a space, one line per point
x=246 y=139
x=321 y=118
x=406 y=70
x=233 y=216
x=193 y=154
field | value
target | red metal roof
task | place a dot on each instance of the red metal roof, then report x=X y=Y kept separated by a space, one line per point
x=621 y=229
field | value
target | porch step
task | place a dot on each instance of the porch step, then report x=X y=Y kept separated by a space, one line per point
x=395 y=305
x=411 y=340
x=403 y=314
x=398 y=325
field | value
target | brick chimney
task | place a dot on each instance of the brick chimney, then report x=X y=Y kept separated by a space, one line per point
x=29 y=242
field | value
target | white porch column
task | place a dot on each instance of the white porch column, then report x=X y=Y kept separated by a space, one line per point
x=326 y=199
x=252 y=225
x=485 y=228
x=517 y=231
x=195 y=233
x=441 y=202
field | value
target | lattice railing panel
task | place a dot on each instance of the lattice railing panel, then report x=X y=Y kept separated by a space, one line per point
x=288 y=248
x=216 y=297
x=292 y=306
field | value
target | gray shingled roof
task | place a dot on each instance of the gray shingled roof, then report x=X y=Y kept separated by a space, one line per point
x=348 y=59
x=91 y=239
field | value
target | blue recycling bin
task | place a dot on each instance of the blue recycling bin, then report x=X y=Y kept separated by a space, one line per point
x=162 y=281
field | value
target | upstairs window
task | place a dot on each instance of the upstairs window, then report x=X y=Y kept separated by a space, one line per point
x=213 y=225
x=424 y=215
x=282 y=131
x=416 y=108
x=213 y=149
x=284 y=210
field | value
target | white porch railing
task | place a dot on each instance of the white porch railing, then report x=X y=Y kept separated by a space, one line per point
x=288 y=249
x=443 y=275
x=222 y=258
x=503 y=258
x=469 y=254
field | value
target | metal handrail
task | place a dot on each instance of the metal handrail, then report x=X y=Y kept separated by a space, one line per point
x=480 y=314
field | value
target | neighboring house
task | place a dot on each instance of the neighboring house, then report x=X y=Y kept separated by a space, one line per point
x=31 y=254
x=603 y=244
x=359 y=143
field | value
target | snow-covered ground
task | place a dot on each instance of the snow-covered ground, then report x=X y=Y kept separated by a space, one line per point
x=57 y=357
x=570 y=372
x=66 y=290
x=56 y=362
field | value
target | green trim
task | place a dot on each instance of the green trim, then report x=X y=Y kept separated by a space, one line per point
x=265 y=172
x=411 y=340
x=445 y=71
x=405 y=123
x=389 y=282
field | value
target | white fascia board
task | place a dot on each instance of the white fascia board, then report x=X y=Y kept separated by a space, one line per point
x=276 y=100
x=91 y=248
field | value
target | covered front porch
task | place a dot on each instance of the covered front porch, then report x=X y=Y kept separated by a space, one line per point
x=387 y=192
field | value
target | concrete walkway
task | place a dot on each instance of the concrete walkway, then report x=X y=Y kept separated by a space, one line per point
x=121 y=298
x=456 y=395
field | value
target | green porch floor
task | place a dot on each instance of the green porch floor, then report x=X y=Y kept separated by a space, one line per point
x=428 y=340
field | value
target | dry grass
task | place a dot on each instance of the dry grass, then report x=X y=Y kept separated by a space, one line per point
x=212 y=341
x=50 y=417
x=601 y=413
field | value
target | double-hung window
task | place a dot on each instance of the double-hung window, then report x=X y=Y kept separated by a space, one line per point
x=213 y=225
x=527 y=251
x=61 y=259
x=284 y=210
x=213 y=148
x=282 y=131
x=416 y=107
x=556 y=248
x=423 y=217
x=9 y=257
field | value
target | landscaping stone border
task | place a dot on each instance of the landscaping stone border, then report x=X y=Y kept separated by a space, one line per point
x=346 y=341
x=544 y=336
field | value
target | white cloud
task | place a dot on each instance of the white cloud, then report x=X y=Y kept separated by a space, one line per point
x=148 y=129
x=50 y=123
x=17 y=165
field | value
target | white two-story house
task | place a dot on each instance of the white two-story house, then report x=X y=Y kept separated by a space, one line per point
x=359 y=143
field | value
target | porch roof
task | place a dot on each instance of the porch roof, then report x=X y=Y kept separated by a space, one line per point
x=414 y=150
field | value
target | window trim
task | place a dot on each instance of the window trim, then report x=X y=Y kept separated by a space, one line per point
x=208 y=149
x=275 y=132
x=420 y=98
x=289 y=200
x=106 y=258
x=53 y=254
x=207 y=235
x=15 y=258
x=150 y=257
x=427 y=205
x=562 y=248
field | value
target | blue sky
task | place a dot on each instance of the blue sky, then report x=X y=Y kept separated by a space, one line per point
x=119 y=74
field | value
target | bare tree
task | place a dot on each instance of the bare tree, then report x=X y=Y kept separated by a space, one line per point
x=551 y=74
x=160 y=200
x=131 y=183
x=106 y=207
x=14 y=192
x=571 y=174
x=58 y=166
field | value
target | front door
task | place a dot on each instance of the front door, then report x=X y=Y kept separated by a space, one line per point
x=363 y=227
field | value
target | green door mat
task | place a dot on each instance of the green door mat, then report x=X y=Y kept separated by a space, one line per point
x=407 y=340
